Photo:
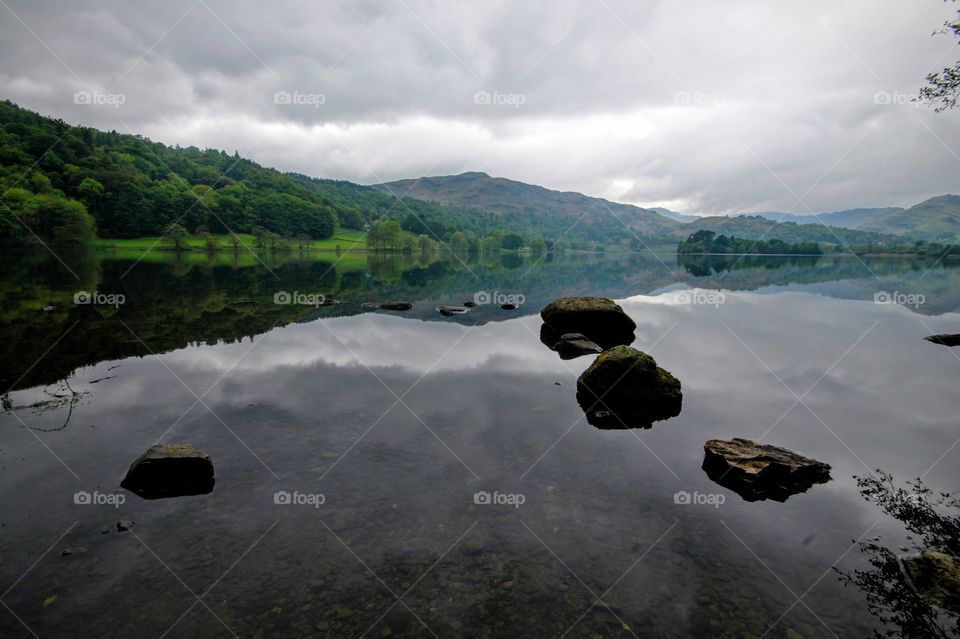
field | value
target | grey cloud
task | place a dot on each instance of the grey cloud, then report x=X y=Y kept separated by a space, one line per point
x=691 y=105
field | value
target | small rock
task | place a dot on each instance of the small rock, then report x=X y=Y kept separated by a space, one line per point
x=124 y=525
x=452 y=310
x=473 y=546
x=573 y=345
x=47 y=309
x=396 y=306
x=470 y=304
x=508 y=307
x=170 y=470
x=946 y=340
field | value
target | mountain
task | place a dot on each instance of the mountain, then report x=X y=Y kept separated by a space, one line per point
x=527 y=208
x=849 y=219
x=673 y=215
x=934 y=220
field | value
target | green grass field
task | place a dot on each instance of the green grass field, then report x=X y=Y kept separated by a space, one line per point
x=343 y=239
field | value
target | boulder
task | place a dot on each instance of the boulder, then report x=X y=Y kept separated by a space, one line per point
x=946 y=340
x=757 y=471
x=396 y=306
x=936 y=576
x=625 y=388
x=452 y=310
x=170 y=470
x=600 y=319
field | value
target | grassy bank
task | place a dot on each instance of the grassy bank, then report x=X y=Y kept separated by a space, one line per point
x=343 y=239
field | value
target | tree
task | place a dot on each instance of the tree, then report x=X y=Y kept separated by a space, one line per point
x=176 y=236
x=351 y=219
x=58 y=220
x=391 y=234
x=424 y=243
x=511 y=242
x=458 y=242
x=538 y=246
x=943 y=87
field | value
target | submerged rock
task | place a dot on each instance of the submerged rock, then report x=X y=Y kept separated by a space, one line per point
x=936 y=576
x=758 y=471
x=573 y=345
x=170 y=470
x=452 y=310
x=946 y=340
x=396 y=306
x=508 y=307
x=600 y=319
x=625 y=388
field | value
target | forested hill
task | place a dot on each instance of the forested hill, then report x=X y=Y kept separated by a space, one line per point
x=62 y=184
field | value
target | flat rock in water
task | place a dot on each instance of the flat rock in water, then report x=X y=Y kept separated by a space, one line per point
x=396 y=306
x=946 y=340
x=452 y=310
x=573 y=345
x=757 y=471
x=599 y=318
x=170 y=470
x=936 y=576
x=625 y=388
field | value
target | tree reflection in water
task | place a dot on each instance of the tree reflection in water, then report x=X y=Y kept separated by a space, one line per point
x=933 y=523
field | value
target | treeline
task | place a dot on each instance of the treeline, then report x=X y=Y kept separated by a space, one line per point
x=62 y=184
x=920 y=248
x=704 y=242
x=389 y=235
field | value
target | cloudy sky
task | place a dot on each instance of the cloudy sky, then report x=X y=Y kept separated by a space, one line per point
x=703 y=107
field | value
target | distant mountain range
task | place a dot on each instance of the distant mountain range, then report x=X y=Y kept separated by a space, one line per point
x=936 y=219
x=531 y=206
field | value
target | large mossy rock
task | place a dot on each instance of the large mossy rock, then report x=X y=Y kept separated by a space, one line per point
x=625 y=388
x=600 y=319
x=757 y=471
x=170 y=470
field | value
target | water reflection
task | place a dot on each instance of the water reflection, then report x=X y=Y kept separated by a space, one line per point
x=309 y=400
x=912 y=603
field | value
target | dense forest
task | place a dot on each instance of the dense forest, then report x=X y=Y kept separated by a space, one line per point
x=708 y=242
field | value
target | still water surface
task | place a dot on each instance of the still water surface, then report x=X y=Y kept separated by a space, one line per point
x=396 y=420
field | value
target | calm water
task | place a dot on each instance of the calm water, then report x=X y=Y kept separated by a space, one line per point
x=399 y=419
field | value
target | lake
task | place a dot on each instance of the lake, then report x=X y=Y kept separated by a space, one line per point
x=404 y=473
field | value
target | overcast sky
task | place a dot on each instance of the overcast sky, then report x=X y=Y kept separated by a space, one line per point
x=702 y=107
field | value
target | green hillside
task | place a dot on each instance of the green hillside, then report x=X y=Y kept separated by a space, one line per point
x=935 y=220
x=64 y=184
x=531 y=209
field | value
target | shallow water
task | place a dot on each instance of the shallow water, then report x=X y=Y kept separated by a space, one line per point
x=399 y=419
